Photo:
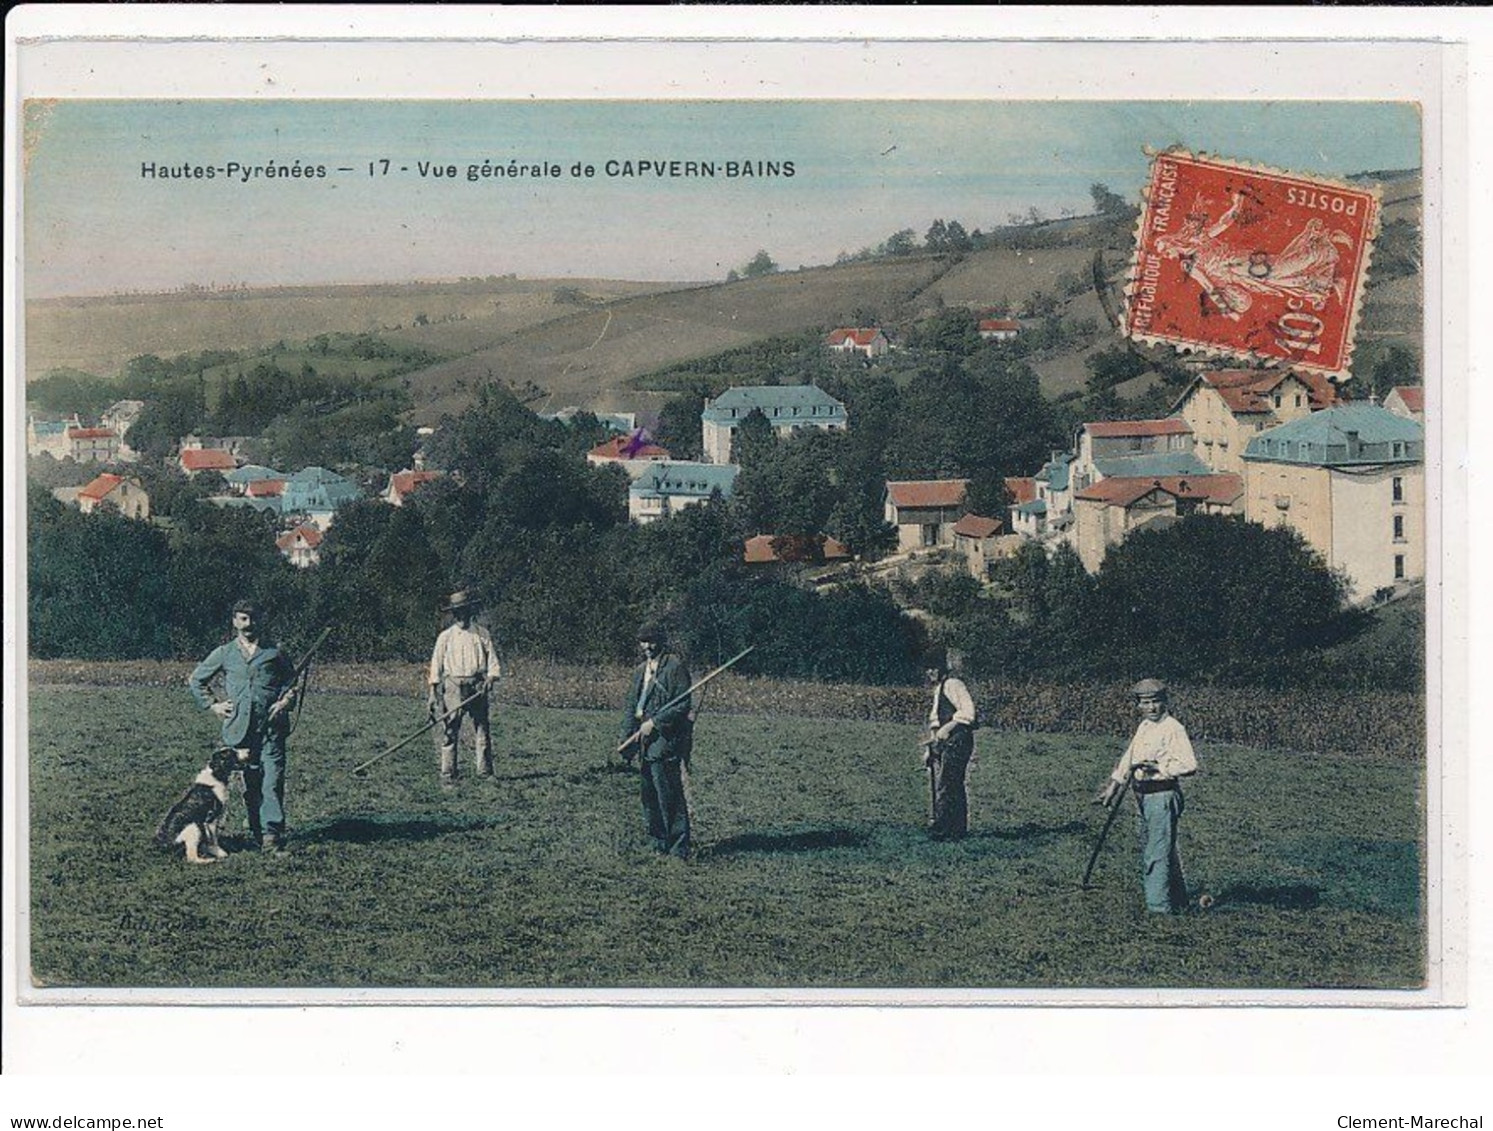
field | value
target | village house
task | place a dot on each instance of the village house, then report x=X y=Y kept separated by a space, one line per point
x=301 y=546
x=1408 y=401
x=868 y=340
x=1128 y=449
x=772 y=549
x=317 y=493
x=240 y=479
x=194 y=461
x=620 y=422
x=93 y=445
x=108 y=491
x=788 y=408
x=236 y=446
x=1226 y=408
x=403 y=484
x=924 y=511
x=998 y=329
x=981 y=542
x=666 y=488
x=1351 y=480
x=1108 y=512
x=632 y=454
x=121 y=415
x=49 y=437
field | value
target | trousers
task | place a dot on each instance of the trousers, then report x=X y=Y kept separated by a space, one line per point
x=950 y=785
x=665 y=809
x=448 y=734
x=264 y=787
x=1160 y=862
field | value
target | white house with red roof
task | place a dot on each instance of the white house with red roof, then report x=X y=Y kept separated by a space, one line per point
x=982 y=540
x=868 y=340
x=194 y=461
x=403 y=484
x=1108 y=449
x=113 y=492
x=924 y=511
x=49 y=437
x=301 y=546
x=998 y=329
x=1225 y=408
x=90 y=445
x=632 y=454
x=1408 y=401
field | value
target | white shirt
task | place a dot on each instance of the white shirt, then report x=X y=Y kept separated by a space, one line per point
x=1163 y=742
x=959 y=698
x=464 y=653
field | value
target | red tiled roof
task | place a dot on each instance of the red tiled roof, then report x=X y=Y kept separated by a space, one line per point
x=1124 y=490
x=101 y=486
x=926 y=492
x=613 y=449
x=1413 y=397
x=207 y=459
x=977 y=526
x=759 y=550
x=1170 y=426
x=1023 y=489
x=308 y=534
x=860 y=335
x=265 y=488
x=1247 y=390
x=403 y=482
x=92 y=434
x=999 y=324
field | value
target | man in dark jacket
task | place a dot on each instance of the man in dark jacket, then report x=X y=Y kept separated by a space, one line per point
x=664 y=731
x=258 y=692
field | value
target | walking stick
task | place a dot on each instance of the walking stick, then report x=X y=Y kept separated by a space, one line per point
x=930 y=754
x=407 y=739
x=1104 y=832
x=683 y=695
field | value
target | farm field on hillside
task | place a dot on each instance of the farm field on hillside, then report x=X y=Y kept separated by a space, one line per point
x=811 y=870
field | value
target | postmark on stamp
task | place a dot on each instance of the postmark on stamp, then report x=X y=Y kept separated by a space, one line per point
x=1250 y=262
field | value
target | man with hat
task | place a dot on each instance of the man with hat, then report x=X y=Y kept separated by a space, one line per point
x=464 y=665
x=258 y=692
x=1157 y=758
x=949 y=748
x=657 y=712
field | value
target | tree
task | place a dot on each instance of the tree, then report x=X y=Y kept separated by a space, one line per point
x=937 y=237
x=1108 y=203
x=1395 y=366
x=903 y=242
x=958 y=240
x=759 y=264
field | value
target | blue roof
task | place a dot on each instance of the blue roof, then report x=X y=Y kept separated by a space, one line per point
x=252 y=473
x=1153 y=465
x=269 y=504
x=801 y=402
x=1353 y=433
x=1055 y=472
x=1036 y=506
x=683 y=478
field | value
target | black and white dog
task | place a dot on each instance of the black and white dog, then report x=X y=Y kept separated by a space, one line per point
x=193 y=821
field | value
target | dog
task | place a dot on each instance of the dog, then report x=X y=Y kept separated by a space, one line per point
x=193 y=821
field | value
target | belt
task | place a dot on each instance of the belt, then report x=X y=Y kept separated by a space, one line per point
x=1162 y=785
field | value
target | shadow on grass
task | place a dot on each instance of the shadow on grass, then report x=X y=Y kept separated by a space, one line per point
x=371 y=830
x=815 y=840
x=1284 y=897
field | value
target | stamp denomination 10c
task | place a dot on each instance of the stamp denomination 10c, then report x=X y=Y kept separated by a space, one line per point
x=1250 y=263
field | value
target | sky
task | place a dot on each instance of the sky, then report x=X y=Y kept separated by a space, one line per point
x=94 y=223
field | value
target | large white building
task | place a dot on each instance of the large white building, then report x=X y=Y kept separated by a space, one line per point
x=788 y=408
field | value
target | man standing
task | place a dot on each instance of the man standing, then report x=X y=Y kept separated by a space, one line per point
x=1158 y=756
x=948 y=749
x=464 y=665
x=258 y=691
x=664 y=731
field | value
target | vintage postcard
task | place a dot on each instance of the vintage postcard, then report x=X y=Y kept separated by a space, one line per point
x=585 y=545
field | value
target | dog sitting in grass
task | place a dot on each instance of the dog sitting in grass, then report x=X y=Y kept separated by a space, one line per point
x=193 y=821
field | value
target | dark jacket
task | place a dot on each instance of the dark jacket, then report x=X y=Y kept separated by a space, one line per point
x=252 y=686
x=674 y=730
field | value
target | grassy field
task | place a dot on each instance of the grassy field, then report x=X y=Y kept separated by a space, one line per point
x=811 y=870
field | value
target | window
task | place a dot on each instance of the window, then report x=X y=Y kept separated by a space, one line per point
x=1277 y=400
x=1399 y=567
x=1399 y=525
x=1298 y=400
x=1397 y=489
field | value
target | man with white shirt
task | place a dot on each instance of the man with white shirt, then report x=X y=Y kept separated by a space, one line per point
x=948 y=749
x=658 y=713
x=464 y=664
x=1154 y=763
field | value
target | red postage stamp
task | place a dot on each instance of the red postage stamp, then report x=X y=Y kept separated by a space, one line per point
x=1251 y=263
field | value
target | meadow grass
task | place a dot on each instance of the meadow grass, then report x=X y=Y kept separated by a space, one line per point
x=811 y=868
